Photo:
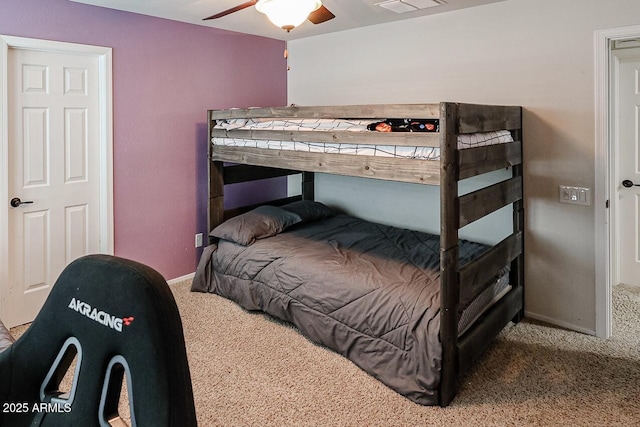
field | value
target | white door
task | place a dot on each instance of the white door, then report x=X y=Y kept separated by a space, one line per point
x=627 y=93
x=54 y=172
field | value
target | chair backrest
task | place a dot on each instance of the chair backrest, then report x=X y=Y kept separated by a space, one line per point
x=114 y=319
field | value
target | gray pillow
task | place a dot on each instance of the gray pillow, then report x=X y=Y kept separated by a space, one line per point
x=264 y=221
x=309 y=210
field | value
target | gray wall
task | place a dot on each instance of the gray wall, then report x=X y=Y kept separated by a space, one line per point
x=534 y=53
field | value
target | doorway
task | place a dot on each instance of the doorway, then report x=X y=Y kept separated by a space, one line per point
x=607 y=185
x=55 y=166
x=625 y=169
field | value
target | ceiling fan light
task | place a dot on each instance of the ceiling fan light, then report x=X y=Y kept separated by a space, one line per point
x=287 y=14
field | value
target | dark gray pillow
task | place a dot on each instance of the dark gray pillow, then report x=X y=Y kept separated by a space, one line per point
x=309 y=210
x=264 y=221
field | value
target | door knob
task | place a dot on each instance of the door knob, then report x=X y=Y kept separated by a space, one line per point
x=15 y=202
x=628 y=183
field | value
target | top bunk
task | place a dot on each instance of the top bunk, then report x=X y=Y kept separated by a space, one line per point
x=470 y=139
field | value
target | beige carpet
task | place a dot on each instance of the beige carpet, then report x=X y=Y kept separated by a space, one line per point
x=250 y=370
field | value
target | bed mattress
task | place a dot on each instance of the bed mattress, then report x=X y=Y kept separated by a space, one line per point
x=371 y=292
x=341 y=125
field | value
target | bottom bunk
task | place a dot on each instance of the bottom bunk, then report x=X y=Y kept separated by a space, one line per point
x=368 y=291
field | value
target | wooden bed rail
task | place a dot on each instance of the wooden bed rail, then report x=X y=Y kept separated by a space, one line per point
x=374 y=111
x=481 y=272
x=234 y=174
x=486 y=118
x=477 y=204
x=388 y=168
x=476 y=161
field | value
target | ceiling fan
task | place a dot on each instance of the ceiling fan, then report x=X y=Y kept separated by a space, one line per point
x=286 y=14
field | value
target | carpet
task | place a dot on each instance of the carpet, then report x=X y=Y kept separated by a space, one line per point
x=249 y=369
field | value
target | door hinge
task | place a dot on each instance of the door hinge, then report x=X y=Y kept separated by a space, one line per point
x=606 y=204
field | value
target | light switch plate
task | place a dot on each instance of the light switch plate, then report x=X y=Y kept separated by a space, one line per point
x=574 y=195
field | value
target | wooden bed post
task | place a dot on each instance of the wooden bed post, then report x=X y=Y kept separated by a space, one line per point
x=216 y=194
x=449 y=278
x=215 y=210
x=516 y=274
x=308 y=186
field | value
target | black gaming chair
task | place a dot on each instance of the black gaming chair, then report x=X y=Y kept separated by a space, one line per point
x=118 y=320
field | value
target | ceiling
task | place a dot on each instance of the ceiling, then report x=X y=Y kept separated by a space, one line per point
x=349 y=14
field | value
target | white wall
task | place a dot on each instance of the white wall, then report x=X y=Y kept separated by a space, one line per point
x=534 y=53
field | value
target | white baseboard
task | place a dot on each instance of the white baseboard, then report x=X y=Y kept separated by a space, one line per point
x=555 y=322
x=181 y=278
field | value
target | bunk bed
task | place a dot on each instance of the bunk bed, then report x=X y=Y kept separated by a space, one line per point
x=243 y=147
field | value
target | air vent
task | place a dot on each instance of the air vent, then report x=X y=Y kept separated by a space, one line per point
x=403 y=6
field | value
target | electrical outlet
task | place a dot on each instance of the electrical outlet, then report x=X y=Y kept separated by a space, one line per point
x=198 y=240
x=575 y=195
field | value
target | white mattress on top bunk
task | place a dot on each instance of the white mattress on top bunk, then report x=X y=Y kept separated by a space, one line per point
x=343 y=125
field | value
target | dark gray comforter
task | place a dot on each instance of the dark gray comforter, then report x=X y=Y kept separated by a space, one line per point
x=365 y=290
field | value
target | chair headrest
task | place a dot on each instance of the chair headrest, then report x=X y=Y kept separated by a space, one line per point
x=110 y=307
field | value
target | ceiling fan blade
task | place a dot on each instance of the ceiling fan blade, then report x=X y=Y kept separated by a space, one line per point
x=322 y=14
x=233 y=9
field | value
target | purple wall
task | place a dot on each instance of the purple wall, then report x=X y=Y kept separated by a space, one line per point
x=166 y=75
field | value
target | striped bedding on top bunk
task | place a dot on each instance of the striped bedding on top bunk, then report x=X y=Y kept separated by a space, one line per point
x=341 y=125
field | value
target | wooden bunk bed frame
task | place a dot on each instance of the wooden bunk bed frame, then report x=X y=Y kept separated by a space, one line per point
x=458 y=353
